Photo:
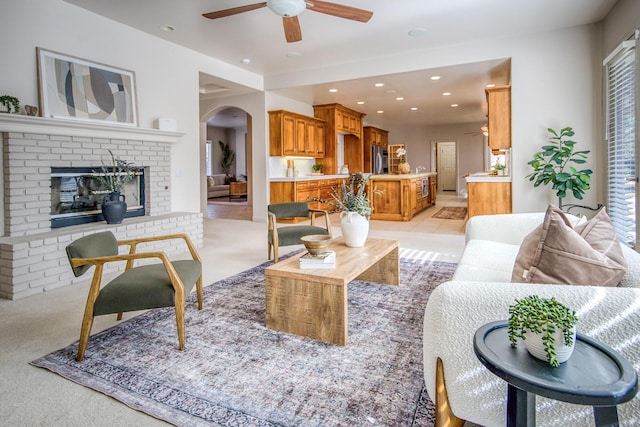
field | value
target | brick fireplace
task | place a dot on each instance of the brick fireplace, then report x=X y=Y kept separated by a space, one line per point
x=32 y=253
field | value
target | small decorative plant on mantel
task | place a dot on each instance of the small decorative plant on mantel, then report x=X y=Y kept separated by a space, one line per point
x=553 y=165
x=9 y=104
x=547 y=327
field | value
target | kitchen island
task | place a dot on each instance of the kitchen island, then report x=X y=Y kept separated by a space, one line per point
x=404 y=195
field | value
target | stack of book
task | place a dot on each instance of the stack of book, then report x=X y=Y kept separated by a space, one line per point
x=323 y=260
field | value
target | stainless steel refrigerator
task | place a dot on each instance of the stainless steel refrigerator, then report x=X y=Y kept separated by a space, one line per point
x=379 y=160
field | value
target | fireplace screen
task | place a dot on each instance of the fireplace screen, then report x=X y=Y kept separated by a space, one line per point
x=77 y=193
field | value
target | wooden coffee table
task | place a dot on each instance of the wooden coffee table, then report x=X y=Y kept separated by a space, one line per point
x=313 y=302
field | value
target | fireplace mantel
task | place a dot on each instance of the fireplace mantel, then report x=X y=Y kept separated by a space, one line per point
x=49 y=126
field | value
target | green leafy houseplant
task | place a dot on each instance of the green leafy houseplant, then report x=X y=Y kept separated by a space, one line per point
x=317 y=167
x=115 y=176
x=351 y=197
x=542 y=316
x=499 y=167
x=228 y=157
x=553 y=165
x=10 y=103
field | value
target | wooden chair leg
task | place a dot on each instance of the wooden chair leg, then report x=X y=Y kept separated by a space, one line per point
x=85 y=331
x=199 y=292
x=269 y=246
x=444 y=416
x=275 y=254
x=180 y=320
x=119 y=316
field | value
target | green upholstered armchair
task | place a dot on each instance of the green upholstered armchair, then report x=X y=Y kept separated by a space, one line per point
x=163 y=284
x=290 y=235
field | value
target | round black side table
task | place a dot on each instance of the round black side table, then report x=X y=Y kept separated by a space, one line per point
x=594 y=375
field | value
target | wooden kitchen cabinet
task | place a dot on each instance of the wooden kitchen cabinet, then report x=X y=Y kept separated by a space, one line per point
x=394 y=160
x=292 y=134
x=341 y=120
x=300 y=190
x=499 y=115
x=401 y=198
x=488 y=198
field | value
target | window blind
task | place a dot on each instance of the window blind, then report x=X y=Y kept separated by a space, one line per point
x=621 y=141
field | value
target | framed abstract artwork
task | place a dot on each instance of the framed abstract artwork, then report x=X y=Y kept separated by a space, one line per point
x=76 y=89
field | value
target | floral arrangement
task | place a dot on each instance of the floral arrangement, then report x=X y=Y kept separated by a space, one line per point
x=351 y=197
x=401 y=153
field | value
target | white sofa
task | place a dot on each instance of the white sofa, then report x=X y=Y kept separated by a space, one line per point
x=480 y=292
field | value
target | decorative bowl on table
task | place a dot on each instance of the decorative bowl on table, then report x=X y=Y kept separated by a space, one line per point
x=316 y=243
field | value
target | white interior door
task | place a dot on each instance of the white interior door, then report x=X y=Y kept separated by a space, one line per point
x=447 y=171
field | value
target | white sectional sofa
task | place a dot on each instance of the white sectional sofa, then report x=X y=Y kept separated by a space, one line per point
x=480 y=292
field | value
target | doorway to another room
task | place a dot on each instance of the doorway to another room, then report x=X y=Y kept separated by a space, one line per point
x=227 y=163
x=446 y=164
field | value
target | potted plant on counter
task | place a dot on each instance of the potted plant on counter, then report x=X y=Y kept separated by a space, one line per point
x=547 y=327
x=317 y=169
x=499 y=167
x=355 y=208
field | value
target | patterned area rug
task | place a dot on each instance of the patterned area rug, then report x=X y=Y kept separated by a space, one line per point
x=236 y=372
x=451 y=213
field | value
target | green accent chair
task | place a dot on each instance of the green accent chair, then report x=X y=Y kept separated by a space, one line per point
x=161 y=284
x=291 y=234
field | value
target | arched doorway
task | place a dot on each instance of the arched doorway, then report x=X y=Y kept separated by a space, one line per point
x=227 y=163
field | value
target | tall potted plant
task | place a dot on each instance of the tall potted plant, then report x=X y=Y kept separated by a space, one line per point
x=554 y=165
x=355 y=208
x=114 y=178
x=228 y=157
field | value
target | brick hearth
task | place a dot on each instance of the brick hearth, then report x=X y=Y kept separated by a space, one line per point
x=32 y=255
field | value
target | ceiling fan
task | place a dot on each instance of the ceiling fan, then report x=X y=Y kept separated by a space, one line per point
x=290 y=9
x=484 y=130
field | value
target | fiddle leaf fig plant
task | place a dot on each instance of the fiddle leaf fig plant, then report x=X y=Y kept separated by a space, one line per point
x=542 y=316
x=555 y=165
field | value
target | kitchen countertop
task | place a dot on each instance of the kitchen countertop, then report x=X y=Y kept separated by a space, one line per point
x=306 y=178
x=398 y=177
x=486 y=177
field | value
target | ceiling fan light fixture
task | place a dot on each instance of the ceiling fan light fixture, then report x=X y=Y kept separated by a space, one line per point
x=287 y=8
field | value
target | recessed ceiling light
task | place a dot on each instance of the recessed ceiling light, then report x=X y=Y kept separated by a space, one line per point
x=414 y=108
x=293 y=54
x=360 y=102
x=391 y=91
x=446 y=94
x=380 y=111
x=417 y=32
x=379 y=84
x=490 y=85
x=168 y=28
x=454 y=105
x=333 y=90
x=435 y=77
x=400 y=98
x=246 y=61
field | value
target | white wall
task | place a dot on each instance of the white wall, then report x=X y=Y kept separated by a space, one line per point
x=167 y=76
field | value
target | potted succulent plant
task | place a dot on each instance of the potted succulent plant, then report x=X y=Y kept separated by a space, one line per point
x=547 y=327
x=317 y=168
x=553 y=165
x=499 y=167
x=355 y=208
x=9 y=104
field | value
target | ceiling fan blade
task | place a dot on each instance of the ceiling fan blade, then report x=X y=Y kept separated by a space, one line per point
x=234 y=10
x=341 y=11
x=292 y=30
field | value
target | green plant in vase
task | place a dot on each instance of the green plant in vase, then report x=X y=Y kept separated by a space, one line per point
x=10 y=103
x=547 y=317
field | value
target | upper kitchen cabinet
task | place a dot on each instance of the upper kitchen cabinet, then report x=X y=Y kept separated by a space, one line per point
x=499 y=113
x=341 y=120
x=292 y=134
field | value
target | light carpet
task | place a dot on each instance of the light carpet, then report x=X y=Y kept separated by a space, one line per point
x=237 y=372
x=451 y=212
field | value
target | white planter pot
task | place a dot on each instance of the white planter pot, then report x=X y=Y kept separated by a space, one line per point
x=535 y=346
x=355 y=229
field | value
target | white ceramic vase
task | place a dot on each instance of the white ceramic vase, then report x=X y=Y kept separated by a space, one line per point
x=535 y=346
x=355 y=229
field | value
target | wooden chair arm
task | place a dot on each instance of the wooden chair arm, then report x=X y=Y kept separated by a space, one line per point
x=133 y=243
x=326 y=218
x=271 y=221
